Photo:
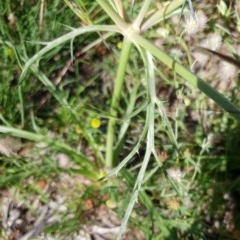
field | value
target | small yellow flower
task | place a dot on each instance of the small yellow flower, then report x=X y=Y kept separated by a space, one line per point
x=187 y=101
x=9 y=52
x=173 y=204
x=111 y=203
x=119 y=45
x=102 y=174
x=95 y=123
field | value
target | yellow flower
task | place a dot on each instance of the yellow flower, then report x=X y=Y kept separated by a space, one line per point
x=173 y=204
x=187 y=101
x=111 y=203
x=9 y=52
x=119 y=45
x=95 y=123
x=102 y=174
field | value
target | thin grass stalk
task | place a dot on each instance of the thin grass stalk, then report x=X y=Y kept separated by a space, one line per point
x=21 y=105
x=138 y=183
x=126 y=48
x=144 y=199
x=150 y=148
x=18 y=58
x=128 y=158
x=113 y=15
x=120 y=9
x=4 y=121
x=167 y=123
x=80 y=11
x=87 y=168
x=139 y=19
x=160 y=14
x=126 y=123
x=67 y=37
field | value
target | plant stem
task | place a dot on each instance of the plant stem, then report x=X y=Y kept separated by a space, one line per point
x=113 y=15
x=142 y=14
x=120 y=9
x=126 y=123
x=69 y=36
x=160 y=14
x=115 y=100
x=186 y=74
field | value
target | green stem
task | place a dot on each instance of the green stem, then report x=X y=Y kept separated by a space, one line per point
x=120 y=9
x=142 y=14
x=115 y=100
x=71 y=35
x=186 y=74
x=160 y=14
x=113 y=15
x=126 y=123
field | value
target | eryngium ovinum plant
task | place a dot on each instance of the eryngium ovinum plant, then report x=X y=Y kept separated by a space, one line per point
x=134 y=31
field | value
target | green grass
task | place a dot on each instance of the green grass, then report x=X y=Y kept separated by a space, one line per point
x=126 y=111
